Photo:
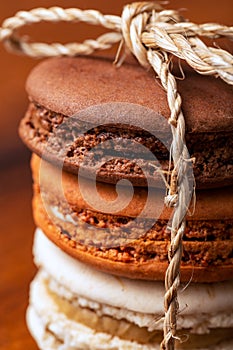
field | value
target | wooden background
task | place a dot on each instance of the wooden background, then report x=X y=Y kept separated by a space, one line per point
x=16 y=222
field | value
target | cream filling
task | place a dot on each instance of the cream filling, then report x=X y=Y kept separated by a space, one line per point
x=69 y=323
x=145 y=297
x=66 y=218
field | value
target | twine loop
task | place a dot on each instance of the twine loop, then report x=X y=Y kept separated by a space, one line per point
x=153 y=35
x=135 y=18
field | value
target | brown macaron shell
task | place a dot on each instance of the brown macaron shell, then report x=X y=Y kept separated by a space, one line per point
x=207 y=241
x=62 y=87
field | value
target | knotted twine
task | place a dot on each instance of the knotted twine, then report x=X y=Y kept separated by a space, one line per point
x=153 y=35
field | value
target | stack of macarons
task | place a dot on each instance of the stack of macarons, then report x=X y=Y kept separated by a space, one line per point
x=101 y=144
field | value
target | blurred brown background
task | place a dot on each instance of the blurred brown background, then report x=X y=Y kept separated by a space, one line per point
x=15 y=182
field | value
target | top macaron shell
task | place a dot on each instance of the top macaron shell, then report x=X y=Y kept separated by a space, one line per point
x=68 y=85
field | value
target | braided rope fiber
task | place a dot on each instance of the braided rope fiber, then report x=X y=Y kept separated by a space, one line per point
x=152 y=34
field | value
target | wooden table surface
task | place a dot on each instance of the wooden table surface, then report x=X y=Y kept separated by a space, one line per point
x=16 y=224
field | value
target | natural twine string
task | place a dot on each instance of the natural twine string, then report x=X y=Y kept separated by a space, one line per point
x=152 y=34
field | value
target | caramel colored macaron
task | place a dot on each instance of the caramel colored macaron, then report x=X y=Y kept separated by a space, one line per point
x=132 y=240
x=86 y=113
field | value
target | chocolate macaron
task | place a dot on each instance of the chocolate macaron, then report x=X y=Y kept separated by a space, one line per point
x=86 y=112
